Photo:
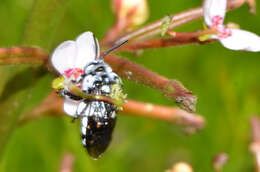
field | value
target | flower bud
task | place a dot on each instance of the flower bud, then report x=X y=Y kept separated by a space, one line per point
x=219 y=161
x=134 y=11
x=181 y=167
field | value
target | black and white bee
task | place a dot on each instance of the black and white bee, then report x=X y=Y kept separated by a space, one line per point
x=83 y=70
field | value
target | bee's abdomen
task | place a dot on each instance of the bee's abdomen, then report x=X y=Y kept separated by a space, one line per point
x=97 y=127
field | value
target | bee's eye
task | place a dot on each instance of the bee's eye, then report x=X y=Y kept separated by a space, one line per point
x=99 y=69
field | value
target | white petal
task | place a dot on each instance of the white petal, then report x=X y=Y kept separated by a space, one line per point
x=63 y=55
x=242 y=40
x=70 y=107
x=213 y=8
x=87 y=49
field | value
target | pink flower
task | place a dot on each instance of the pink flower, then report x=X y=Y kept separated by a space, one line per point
x=234 y=39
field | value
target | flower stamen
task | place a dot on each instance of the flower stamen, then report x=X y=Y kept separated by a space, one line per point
x=223 y=31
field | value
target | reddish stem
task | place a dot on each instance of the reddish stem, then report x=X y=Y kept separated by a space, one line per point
x=22 y=52
x=255 y=144
x=170 y=88
x=169 y=114
x=126 y=69
x=53 y=106
x=179 y=38
x=67 y=163
x=22 y=55
x=177 y=20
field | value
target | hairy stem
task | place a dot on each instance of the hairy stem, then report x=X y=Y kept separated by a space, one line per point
x=169 y=114
x=53 y=105
x=179 y=38
x=255 y=144
x=132 y=71
x=170 y=88
x=176 y=20
x=67 y=163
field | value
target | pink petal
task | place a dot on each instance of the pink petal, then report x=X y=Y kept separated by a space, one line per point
x=213 y=9
x=242 y=40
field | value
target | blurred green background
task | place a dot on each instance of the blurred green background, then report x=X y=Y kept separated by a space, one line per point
x=226 y=83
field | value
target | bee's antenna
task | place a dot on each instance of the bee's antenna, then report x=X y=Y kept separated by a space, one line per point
x=113 y=48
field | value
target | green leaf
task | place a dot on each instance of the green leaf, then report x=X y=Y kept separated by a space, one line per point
x=43 y=21
x=23 y=87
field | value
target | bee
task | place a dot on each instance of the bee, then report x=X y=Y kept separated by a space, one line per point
x=92 y=91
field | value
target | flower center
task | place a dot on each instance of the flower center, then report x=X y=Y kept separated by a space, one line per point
x=74 y=75
x=217 y=20
x=223 y=31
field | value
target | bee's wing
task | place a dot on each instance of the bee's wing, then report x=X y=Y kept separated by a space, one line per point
x=75 y=54
x=97 y=125
x=70 y=107
x=62 y=57
x=87 y=49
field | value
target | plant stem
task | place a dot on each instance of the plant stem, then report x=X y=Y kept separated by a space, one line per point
x=67 y=163
x=255 y=144
x=176 y=20
x=170 y=88
x=53 y=104
x=169 y=114
x=127 y=70
x=179 y=38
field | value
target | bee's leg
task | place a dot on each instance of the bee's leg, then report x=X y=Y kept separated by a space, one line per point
x=80 y=110
x=68 y=95
x=73 y=119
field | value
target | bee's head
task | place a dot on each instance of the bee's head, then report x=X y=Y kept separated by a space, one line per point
x=97 y=67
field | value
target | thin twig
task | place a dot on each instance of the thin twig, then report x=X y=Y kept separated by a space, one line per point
x=53 y=104
x=22 y=55
x=169 y=114
x=219 y=161
x=176 y=20
x=67 y=163
x=155 y=28
x=170 y=88
x=128 y=70
x=255 y=144
x=112 y=33
x=22 y=60
x=22 y=52
x=180 y=38
x=255 y=126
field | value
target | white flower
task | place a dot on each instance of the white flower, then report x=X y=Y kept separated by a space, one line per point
x=71 y=55
x=135 y=11
x=70 y=58
x=234 y=39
